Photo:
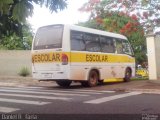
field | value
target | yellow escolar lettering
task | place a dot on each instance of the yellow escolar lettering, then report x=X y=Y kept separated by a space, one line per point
x=54 y=57
x=96 y=58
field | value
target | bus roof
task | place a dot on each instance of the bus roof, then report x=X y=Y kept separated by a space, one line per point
x=90 y=30
x=95 y=31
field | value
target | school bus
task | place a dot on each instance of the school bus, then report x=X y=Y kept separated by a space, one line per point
x=66 y=53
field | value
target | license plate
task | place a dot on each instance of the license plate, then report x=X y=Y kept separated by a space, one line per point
x=47 y=75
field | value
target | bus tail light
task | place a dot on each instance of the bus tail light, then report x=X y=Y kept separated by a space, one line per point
x=64 y=59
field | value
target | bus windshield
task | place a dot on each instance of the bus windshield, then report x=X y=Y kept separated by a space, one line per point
x=48 y=37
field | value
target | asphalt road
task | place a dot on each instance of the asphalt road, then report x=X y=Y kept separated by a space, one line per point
x=35 y=101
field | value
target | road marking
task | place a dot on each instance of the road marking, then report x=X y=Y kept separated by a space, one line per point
x=41 y=92
x=108 y=91
x=63 y=91
x=7 y=109
x=110 y=98
x=24 y=101
x=32 y=87
x=35 y=96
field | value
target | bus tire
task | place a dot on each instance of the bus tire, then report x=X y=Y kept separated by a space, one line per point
x=128 y=74
x=93 y=78
x=64 y=83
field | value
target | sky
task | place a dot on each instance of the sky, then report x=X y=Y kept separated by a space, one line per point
x=71 y=15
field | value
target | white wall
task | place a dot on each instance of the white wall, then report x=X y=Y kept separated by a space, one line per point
x=157 y=49
x=11 y=61
x=153 y=51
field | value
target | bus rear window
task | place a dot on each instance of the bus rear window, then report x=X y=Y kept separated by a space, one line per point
x=48 y=37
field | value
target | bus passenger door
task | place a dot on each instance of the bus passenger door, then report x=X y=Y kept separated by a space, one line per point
x=120 y=59
x=107 y=49
x=77 y=55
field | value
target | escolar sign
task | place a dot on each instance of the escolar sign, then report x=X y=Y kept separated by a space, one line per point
x=96 y=58
x=50 y=57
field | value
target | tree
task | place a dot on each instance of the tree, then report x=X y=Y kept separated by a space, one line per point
x=146 y=11
x=123 y=24
x=12 y=41
x=13 y=15
x=16 y=11
x=21 y=9
x=118 y=22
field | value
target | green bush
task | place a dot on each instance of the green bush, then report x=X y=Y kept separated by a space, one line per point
x=24 y=71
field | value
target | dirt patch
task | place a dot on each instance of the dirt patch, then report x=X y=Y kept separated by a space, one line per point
x=22 y=81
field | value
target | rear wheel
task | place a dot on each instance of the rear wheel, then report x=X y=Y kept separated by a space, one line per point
x=93 y=78
x=128 y=74
x=64 y=83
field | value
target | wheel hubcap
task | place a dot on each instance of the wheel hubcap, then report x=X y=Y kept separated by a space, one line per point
x=93 y=79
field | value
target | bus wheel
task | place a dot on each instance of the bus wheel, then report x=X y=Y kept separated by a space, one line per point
x=128 y=74
x=64 y=83
x=93 y=78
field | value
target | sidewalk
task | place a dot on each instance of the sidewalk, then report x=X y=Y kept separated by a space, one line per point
x=148 y=86
x=17 y=81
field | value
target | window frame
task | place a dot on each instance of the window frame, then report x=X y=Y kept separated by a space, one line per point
x=73 y=31
x=114 y=41
x=130 y=47
x=97 y=41
x=48 y=46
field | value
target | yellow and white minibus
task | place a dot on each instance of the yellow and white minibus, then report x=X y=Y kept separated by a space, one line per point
x=66 y=53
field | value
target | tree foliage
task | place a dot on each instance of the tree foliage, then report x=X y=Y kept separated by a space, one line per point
x=118 y=22
x=146 y=11
x=14 y=42
x=21 y=9
x=13 y=25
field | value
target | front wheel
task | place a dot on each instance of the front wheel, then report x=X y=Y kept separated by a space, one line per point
x=64 y=83
x=128 y=75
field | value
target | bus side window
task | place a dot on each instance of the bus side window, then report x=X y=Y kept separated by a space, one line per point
x=127 y=48
x=77 y=42
x=119 y=46
x=107 y=45
x=92 y=42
